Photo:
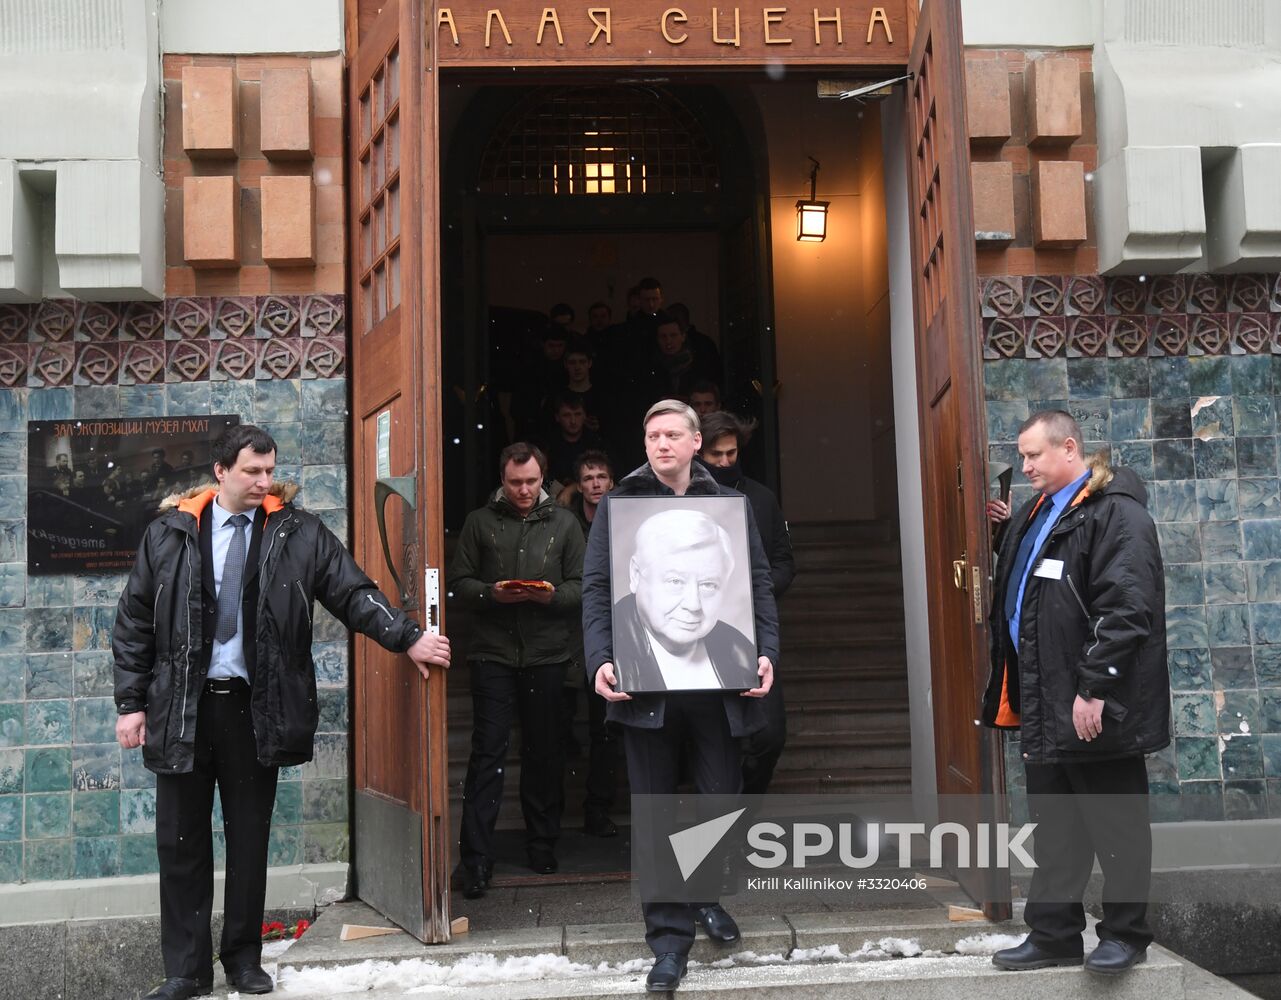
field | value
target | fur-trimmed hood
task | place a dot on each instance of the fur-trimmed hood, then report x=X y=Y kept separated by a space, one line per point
x=198 y=497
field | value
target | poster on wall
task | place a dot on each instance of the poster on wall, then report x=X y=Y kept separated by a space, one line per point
x=94 y=485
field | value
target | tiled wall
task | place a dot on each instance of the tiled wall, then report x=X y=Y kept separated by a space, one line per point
x=1182 y=377
x=72 y=804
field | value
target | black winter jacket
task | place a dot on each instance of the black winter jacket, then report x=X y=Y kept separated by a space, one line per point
x=769 y=522
x=1097 y=630
x=498 y=543
x=162 y=651
x=646 y=711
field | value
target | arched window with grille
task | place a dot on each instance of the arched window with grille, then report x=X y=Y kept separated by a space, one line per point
x=574 y=141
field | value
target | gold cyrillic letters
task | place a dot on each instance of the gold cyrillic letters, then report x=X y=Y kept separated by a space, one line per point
x=772 y=16
x=594 y=13
x=446 y=16
x=674 y=15
x=549 y=17
x=879 y=17
x=737 y=40
x=820 y=21
x=494 y=13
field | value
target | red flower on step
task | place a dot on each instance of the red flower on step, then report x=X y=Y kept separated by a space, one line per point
x=300 y=928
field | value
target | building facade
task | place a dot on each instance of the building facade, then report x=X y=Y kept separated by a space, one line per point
x=182 y=233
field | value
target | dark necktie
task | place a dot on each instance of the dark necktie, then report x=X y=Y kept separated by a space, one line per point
x=232 y=572
x=1023 y=555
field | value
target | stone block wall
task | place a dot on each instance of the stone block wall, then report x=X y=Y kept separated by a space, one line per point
x=1181 y=376
x=1034 y=150
x=72 y=803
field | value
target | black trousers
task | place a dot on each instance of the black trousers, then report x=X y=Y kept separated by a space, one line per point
x=1083 y=811
x=694 y=725
x=763 y=748
x=225 y=755
x=604 y=753
x=499 y=694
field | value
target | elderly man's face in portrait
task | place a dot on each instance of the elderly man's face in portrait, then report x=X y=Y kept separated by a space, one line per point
x=679 y=579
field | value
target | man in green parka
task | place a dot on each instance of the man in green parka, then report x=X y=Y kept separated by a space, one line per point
x=519 y=566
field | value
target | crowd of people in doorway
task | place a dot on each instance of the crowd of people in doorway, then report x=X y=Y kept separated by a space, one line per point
x=569 y=389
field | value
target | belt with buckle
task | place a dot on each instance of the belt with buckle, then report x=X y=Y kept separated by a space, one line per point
x=226 y=685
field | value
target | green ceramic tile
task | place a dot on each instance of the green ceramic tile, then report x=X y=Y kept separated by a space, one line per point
x=48 y=816
x=138 y=854
x=12 y=724
x=325 y=842
x=1242 y=758
x=12 y=770
x=288 y=808
x=11 y=861
x=1194 y=715
x=95 y=814
x=12 y=678
x=95 y=720
x=48 y=769
x=138 y=810
x=11 y=817
x=48 y=860
x=97 y=857
x=48 y=722
x=1198 y=758
x=95 y=766
x=285 y=846
x=324 y=800
x=48 y=676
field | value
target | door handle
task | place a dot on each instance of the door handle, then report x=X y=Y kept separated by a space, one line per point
x=958 y=573
x=405 y=487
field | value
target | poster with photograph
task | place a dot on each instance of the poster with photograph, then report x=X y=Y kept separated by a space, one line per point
x=94 y=485
x=681 y=581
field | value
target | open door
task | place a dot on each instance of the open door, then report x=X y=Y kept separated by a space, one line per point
x=953 y=442
x=400 y=839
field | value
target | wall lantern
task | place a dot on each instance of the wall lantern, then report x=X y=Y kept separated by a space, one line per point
x=811 y=215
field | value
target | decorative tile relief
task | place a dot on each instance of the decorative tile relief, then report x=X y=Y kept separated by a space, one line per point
x=70 y=343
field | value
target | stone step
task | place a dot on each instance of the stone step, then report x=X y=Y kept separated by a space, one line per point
x=853 y=751
x=843 y=779
x=846 y=715
x=912 y=954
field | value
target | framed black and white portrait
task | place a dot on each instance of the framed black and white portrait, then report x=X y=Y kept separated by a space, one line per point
x=681 y=578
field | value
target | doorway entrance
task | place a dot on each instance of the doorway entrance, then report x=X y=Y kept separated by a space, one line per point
x=422 y=347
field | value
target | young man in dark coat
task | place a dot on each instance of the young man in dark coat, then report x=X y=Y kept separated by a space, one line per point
x=724 y=437
x=1079 y=667
x=519 y=565
x=215 y=682
x=657 y=726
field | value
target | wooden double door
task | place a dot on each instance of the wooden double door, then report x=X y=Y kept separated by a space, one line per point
x=401 y=854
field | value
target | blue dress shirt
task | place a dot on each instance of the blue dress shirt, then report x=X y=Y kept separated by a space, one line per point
x=228 y=657
x=1060 y=502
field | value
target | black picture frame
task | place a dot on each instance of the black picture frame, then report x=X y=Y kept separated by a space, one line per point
x=681 y=594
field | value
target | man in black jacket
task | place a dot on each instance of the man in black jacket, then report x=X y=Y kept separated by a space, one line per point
x=1079 y=667
x=658 y=726
x=215 y=682
x=724 y=437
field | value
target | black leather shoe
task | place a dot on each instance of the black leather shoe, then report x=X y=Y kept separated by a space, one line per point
x=666 y=975
x=475 y=881
x=1111 y=958
x=597 y=824
x=249 y=979
x=177 y=988
x=543 y=861
x=1030 y=956
x=719 y=925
